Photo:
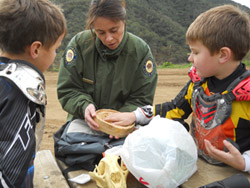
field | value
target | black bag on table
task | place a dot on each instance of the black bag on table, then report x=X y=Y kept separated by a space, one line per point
x=79 y=146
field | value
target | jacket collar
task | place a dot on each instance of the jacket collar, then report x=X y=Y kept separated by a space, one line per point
x=107 y=54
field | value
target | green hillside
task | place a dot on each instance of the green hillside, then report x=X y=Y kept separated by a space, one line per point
x=161 y=23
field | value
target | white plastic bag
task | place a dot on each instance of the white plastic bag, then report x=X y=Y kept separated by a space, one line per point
x=161 y=154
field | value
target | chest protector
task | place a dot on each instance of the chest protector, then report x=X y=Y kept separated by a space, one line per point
x=211 y=112
x=32 y=85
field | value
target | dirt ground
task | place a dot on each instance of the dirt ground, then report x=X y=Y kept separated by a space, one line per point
x=170 y=82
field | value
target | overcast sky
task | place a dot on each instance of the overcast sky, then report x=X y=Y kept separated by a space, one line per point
x=243 y=2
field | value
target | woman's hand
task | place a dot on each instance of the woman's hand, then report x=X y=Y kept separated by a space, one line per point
x=121 y=119
x=90 y=114
x=233 y=157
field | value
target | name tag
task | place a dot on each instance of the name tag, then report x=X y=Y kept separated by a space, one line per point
x=88 y=81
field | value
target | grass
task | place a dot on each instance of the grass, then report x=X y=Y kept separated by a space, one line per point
x=166 y=65
x=247 y=63
x=169 y=65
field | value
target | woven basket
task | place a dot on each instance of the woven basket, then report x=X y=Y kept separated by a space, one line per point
x=110 y=128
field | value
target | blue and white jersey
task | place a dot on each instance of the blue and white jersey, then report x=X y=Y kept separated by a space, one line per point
x=18 y=119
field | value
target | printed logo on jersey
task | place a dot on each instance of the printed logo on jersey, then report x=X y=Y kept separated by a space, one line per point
x=148 y=67
x=205 y=112
x=23 y=135
x=70 y=55
x=147 y=111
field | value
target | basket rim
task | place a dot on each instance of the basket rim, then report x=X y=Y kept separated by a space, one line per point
x=98 y=112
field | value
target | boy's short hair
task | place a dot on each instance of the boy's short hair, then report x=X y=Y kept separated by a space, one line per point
x=222 y=26
x=24 y=21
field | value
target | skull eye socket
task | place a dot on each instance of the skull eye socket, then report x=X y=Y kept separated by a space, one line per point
x=121 y=164
x=101 y=168
x=110 y=172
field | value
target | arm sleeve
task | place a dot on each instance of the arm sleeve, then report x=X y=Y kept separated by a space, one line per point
x=72 y=95
x=179 y=108
x=145 y=81
x=246 y=156
x=3 y=180
x=18 y=119
x=144 y=115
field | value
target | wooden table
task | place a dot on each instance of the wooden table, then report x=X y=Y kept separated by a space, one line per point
x=208 y=173
x=47 y=172
x=205 y=174
x=131 y=181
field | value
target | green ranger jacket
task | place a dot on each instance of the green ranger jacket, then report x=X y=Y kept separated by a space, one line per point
x=121 y=79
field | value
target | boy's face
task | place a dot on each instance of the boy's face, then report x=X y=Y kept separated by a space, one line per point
x=47 y=55
x=206 y=65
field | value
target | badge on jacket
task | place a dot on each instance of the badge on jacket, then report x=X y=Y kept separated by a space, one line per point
x=148 y=67
x=70 y=55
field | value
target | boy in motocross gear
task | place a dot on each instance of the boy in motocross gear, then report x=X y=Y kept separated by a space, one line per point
x=217 y=94
x=28 y=43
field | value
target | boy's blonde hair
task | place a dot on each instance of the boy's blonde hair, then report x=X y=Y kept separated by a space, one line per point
x=222 y=26
x=24 y=21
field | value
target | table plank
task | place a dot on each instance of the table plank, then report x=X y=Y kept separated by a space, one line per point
x=205 y=174
x=208 y=173
x=132 y=182
x=47 y=173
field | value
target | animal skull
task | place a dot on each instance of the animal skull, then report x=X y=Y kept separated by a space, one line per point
x=109 y=173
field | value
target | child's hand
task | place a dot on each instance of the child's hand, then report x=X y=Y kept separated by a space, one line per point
x=121 y=119
x=233 y=157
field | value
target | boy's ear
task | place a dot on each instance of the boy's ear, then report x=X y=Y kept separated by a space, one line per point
x=225 y=54
x=35 y=48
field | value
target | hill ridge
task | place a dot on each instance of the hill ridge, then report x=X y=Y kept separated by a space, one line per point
x=161 y=23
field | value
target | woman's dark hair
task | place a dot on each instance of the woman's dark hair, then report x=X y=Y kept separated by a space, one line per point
x=111 y=9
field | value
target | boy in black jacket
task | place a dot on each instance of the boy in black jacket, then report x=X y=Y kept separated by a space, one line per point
x=30 y=33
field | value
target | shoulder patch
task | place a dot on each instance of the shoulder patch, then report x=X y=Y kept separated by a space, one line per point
x=70 y=55
x=148 y=67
